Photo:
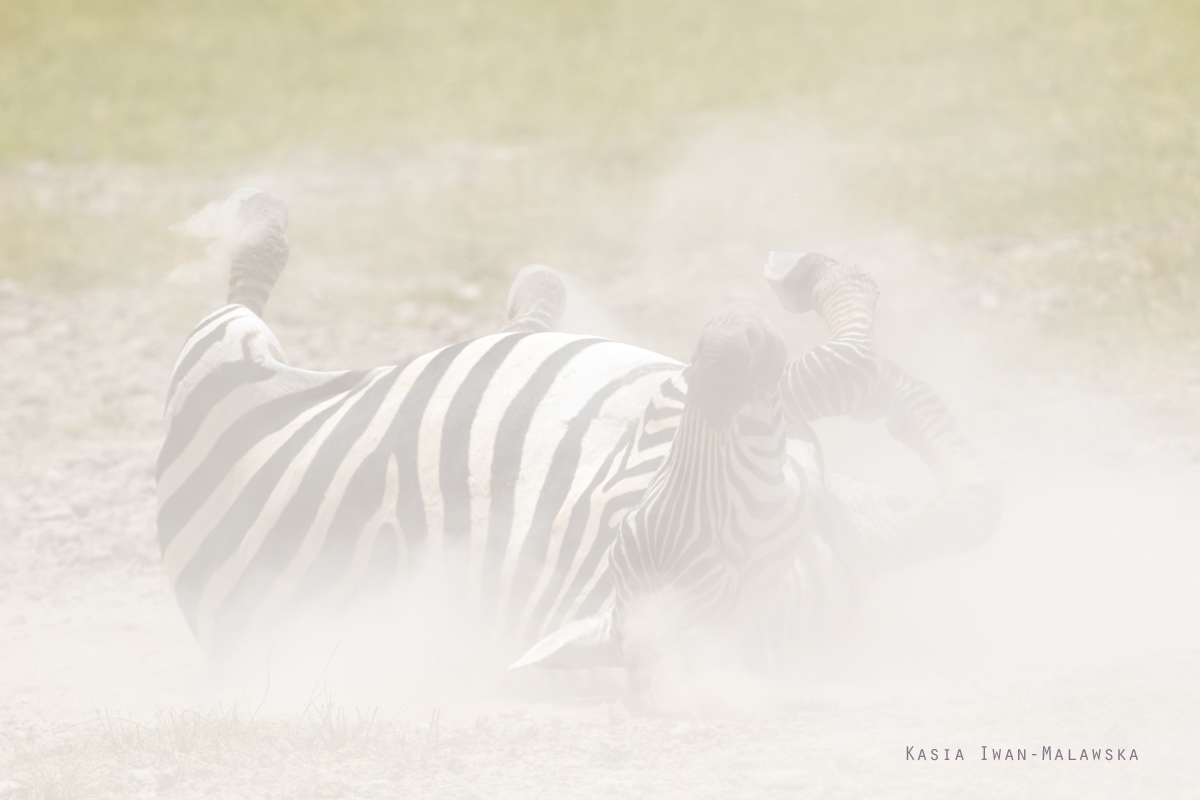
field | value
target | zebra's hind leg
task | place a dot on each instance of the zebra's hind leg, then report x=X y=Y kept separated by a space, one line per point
x=835 y=377
x=536 y=300
x=845 y=376
x=256 y=235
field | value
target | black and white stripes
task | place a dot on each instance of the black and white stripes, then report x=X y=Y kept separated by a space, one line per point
x=719 y=521
x=281 y=486
x=574 y=482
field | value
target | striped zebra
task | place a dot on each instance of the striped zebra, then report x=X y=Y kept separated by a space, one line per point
x=590 y=490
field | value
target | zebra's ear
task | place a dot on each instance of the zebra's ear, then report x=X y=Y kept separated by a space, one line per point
x=585 y=643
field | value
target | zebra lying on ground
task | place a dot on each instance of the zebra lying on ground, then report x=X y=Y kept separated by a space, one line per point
x=604 y=499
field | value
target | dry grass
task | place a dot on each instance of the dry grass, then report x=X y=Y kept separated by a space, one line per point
x=112 y=756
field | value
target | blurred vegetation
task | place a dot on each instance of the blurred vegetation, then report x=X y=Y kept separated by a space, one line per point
x=1099 y=100
x=224 y=750
x=168 y=80
x=1002 y=129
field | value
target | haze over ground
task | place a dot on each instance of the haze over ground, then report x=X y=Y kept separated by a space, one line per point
x=1024 y=183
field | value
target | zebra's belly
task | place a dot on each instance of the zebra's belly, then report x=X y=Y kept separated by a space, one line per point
x=286 y=488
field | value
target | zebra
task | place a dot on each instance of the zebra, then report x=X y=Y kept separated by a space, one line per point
x=740 y=530
x=586 y=483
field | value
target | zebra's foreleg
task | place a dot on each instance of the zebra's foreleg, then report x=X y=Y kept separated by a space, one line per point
x=833 y=378
x=875 y=528
x=536 y=300
x=966 y=509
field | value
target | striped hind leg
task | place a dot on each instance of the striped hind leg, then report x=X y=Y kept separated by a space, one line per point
x=535 y=301
x=256 y=235
x=846 y=376
x=835 y=377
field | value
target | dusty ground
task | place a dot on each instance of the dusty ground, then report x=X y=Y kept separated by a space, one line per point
x=1075 y=628
x=1020 y=177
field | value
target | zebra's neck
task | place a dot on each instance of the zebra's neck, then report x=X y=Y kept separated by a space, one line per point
x=719 y=522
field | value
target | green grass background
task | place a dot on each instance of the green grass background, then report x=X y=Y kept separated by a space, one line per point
x=1031 y=120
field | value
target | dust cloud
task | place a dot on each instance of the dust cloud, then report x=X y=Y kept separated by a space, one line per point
x=1074 y=627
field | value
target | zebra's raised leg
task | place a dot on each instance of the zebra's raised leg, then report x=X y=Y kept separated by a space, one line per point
x=535 y=301
x=258 y=246
x=845 y=376
x=835 y=377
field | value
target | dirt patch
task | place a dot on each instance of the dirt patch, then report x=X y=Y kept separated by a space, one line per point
x=1070 y=630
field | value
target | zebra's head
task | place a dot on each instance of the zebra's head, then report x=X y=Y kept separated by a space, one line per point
x=718 y=526
x=718 y=523
x=738 y=360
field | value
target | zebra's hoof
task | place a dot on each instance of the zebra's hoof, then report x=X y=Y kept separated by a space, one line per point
x=257 y=214
x=793 y=277
x=258 y=245
x=536 y=300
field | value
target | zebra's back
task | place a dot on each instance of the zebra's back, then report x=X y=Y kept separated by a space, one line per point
x=281 y=488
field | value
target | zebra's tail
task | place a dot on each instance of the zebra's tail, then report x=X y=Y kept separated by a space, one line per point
x=258 y=246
